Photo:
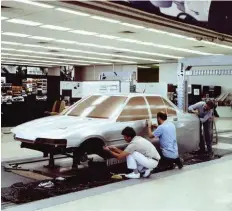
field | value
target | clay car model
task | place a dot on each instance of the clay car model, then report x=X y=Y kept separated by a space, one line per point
x=97 y=120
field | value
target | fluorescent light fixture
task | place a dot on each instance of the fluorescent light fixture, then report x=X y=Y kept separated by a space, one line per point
x=40 y=38
x=106 y=36
x=106 y=47
x=52 y=58
x=145 y=67
x=15 y=34
x=3 y=18
x=83 y=32
x=24 y=22
x=170 y=34
x=133 y=25
x=65 y=41
x=35 y=3
x=26 y=51
x=72 y=12
x=216 y=44
x=59 y=28
x=105 y=19
x=8 y=49
x=10 y=43
x=131 y=40
x=26 y=64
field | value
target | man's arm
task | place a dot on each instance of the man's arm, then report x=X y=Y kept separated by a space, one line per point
x=115 y=149
x=193 y=108
x=118 y=155
x=150 y=128
x=206 y=117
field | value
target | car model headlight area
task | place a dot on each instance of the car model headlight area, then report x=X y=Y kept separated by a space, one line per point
x=44 y=141
x=53 y=142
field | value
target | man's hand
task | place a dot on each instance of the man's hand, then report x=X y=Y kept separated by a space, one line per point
x=149 y=123
x=113 y=148
x=155 y=126
x=106 y=148
x=194 y=112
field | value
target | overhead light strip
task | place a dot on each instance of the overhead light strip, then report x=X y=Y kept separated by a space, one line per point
x=105 y=19
x=88 y=52
x=24 y=22
x=72 y=11
x=53 y=27
x=59 y=59
x=35 y=4
x=3 y=18
x=15 y=34
x=123 y=40
x=43 y=61
x=76 y=56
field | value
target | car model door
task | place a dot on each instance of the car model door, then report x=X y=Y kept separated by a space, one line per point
x=134 y=115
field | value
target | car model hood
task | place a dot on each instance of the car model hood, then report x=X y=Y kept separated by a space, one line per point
x=56 y=127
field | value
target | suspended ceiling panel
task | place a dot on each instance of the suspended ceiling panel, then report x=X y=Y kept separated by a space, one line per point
x=84 y=40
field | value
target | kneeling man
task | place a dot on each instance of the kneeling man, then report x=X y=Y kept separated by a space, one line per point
x=142 y=156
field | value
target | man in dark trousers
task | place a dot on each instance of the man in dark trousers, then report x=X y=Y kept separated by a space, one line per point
x=166 y=132
x=204 y=110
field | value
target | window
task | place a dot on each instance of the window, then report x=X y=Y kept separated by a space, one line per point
x=156 y=105
x=171 y=111
x=98 y=107
x=136 y=109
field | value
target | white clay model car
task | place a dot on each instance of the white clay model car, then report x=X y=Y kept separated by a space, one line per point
x=97 y=120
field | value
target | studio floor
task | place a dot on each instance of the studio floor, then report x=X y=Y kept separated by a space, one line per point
x=204 y=186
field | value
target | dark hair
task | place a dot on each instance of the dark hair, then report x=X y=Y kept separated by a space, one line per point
x=210 y=104
x=129 y=132
x=162 y=115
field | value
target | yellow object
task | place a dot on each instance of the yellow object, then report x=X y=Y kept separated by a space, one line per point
x=116 y=176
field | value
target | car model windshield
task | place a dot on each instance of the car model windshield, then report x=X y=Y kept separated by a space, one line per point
x=98 y=106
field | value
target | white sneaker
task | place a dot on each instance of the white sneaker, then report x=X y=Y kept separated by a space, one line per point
x=133 y=175
x=147 y=173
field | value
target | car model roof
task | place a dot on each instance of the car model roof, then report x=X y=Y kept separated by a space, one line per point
x=128 y=94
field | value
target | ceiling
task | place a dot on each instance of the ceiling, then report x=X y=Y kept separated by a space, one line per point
x=56 y=33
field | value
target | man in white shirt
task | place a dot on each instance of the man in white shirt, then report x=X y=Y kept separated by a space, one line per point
x=142 y=156
x=204 y=110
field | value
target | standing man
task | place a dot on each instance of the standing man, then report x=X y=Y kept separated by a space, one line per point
x=142 y=156
x=205 y=114
x=166 y=132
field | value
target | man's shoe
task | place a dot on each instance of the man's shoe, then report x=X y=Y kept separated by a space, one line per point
x=181 y=163
x=133 y=175
x=210 y=155
x=147 y=173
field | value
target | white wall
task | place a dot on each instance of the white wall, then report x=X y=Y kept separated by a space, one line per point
x=89 y=74
x=225 y=81
x=168 y=73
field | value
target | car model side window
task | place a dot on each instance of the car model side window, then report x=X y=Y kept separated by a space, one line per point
x=156 y=105
x=135 y=109
x=170 y=109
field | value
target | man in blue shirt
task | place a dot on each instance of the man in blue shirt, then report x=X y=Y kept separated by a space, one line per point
x=204 y=110
x=166 y=132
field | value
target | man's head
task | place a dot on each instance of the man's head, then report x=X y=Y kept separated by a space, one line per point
x=128 y=134
x=209 y=105
x=161 y=117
